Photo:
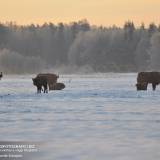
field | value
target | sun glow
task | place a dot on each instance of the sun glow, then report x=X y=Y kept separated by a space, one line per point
x=99 y=12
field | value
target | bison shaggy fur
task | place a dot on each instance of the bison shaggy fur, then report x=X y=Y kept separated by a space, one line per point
x=144 y=78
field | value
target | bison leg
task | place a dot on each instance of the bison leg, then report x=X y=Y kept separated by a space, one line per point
x=45 y=89
x=146 y=85
x=153 y=86
x=39 y=88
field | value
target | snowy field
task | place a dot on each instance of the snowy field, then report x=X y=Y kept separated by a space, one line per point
x=96 y=117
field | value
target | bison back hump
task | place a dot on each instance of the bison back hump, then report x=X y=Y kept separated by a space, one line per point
x=51 y=78
x=149 y=77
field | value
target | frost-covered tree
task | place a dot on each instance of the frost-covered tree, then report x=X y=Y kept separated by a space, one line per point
x=100 y=48
x=155 y=51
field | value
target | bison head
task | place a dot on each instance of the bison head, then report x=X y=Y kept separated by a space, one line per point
x=34 y=81
x=141 y=86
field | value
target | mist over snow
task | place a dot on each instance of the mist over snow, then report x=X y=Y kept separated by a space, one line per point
x=11 y=61
x=79 y=47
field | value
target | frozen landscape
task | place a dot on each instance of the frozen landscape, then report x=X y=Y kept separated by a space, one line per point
x=96 y=117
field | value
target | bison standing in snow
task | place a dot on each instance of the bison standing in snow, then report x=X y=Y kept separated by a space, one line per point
x=144 y=78
x=1 y=75
x=47 y=80
x=51 y=79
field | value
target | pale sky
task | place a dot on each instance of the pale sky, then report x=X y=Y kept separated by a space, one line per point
x=98 y=12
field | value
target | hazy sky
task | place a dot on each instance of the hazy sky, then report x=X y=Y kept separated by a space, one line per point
x=99 y=12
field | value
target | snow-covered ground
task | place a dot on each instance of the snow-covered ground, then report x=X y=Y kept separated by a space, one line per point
x=96 y=117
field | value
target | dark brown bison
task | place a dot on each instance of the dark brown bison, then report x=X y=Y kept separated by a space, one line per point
x=39 y=82
x=144 y=78
x=51 y=79
x=58 y=86
x=1 y=75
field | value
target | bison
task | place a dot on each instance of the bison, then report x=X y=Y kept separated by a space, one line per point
x=39 y=82
x=51 y=79
x=58 y=86
x=1 y=75
x=144 y=78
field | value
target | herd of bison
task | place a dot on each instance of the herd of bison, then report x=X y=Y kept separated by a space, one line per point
x=45 y=81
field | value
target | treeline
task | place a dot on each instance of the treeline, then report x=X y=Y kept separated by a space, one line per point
x=79 y=47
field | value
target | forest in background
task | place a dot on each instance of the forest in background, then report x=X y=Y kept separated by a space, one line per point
x=79 y=47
